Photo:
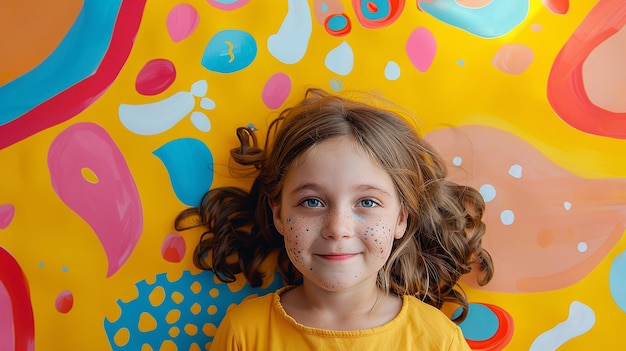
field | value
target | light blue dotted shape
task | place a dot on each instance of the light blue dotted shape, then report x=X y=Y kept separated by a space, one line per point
x=488 y=192
x=229 y=51
x=507 y=217
x=189 y=163
x=481 y=323
x=457 y=161
x=381 y=12
x=392 y=70
x=617 y=280
x=490 y=21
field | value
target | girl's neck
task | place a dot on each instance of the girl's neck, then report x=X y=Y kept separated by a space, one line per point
x=351 y=309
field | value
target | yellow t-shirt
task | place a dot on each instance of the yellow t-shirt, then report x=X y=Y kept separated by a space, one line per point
x=262 y=324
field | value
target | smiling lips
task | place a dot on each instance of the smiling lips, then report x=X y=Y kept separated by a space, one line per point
x=336 y=257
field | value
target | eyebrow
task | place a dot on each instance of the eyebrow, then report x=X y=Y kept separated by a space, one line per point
x=316 y=187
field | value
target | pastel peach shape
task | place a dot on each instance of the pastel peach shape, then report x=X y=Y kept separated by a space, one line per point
x=546 y=227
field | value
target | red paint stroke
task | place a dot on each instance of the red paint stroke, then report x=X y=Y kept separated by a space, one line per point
x=566 y=89
x=174 y=248
x=64 y=302
x=559 y=7
x=155 y=77
x=81 y=95
x=89 y=173
x=20 y=330
x=503 y=335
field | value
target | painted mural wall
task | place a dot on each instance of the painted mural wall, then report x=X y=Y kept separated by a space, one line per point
x=116 y=115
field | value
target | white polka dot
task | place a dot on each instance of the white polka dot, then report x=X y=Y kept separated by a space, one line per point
x=488 y=192
x=582 y=246
x=507 y=217
x=516 y=171
x=567 y=205
x=457 y=161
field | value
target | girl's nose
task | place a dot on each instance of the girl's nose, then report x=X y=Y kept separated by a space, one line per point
x=339 y=224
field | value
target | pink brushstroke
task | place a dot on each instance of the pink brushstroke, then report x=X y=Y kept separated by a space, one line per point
x=110 y=205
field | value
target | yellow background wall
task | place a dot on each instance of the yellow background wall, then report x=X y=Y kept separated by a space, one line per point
x=111 y=113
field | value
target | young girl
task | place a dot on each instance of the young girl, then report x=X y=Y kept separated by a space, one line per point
x=371 y=236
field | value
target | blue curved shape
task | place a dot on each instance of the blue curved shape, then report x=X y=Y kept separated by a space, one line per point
x=617 y=280
x=229 y=51
x=77 y=57
x=190 y=166
x=491 y=21
x=481 y=323
x=197 y=293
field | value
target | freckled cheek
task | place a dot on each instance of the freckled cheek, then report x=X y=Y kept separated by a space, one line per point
x=299 y=234
x=379 y=236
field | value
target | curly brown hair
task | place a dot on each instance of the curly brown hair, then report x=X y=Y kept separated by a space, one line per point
x=444 y=225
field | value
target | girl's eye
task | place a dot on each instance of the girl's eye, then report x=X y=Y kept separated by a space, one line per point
x=368 y=203
x=312 y=203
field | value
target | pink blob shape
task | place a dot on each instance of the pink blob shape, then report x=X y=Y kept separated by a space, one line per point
x=513 y=58
x=182 y=21
x=64 y=301
x=108 y=200
x=174 y=248
x=421 y=48
x=155 y=77
x=559 y=7
x=7 y=211
x=276 y=90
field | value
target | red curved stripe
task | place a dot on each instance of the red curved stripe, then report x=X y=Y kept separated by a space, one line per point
x=81 y=95
x=13 y=279
x=566 y=89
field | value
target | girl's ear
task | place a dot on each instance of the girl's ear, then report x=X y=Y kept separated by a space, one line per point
x=278 y=223
x=402 y=223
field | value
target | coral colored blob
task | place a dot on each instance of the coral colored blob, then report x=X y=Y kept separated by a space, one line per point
x=182 y=21
x=155 y=77
x=513 y=58
x=112 y=207
x=276 y=90
x=377 y=13
x=566 y=85
x=421 y=48
x=173 y=248
x=559 y=7
x=537 y=224
x=322 y=9
x=604 y=73
x=7 y=211
x=17 y=325
x=64 y=302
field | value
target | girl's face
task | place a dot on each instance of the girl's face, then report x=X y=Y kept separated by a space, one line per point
x=339 y=213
